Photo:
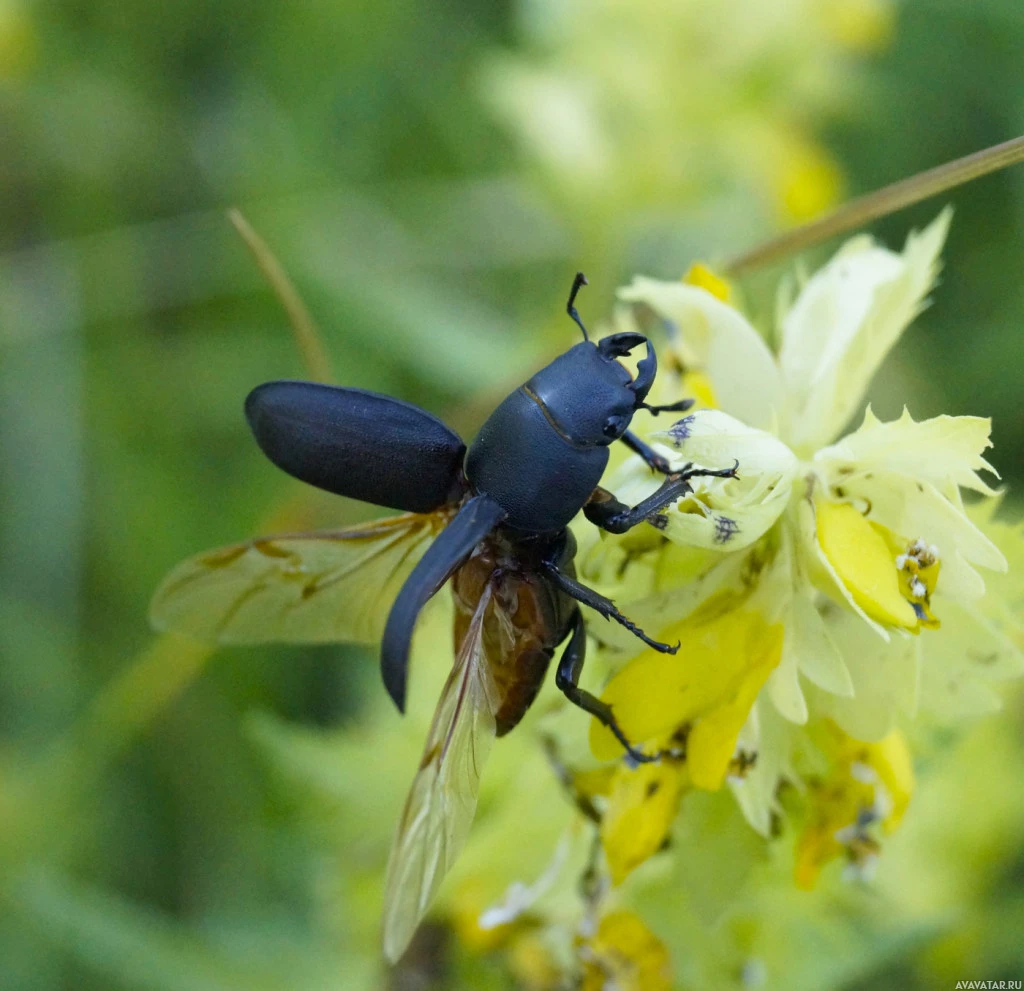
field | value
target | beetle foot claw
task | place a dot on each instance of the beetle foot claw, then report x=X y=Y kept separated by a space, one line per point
x=634 y=757
x=655 y=644
x=691 y=472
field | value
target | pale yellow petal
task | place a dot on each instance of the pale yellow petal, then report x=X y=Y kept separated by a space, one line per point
x=817 y=655
x=917 y=509
x=961 y=665
x=728 y=514
x=844 y=322
x=885 y=679
x=723 y=344
x=715 y=439
x=757 y=791
x=784 y=686
x=944 y=449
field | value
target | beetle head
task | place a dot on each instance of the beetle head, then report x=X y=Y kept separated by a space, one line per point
x=588 y=395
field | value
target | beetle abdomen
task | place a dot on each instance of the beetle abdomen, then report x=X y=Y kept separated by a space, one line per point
x=358 y=444
x=522 y=461
x=519 y=690
x=525 y=620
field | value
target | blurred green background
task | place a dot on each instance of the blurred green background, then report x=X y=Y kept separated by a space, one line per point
x=431 y=175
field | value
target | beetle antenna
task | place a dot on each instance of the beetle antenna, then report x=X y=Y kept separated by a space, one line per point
x=570 y=307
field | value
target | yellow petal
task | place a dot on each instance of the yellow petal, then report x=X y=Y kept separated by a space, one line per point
x=702 y=276
x=697 y=386
x=860 y=25
x=641 y=806
x=625 y=955
x=468 y=904
x=895 y=768
x=809 y=180
x=712 y=741
x=532 y=963
x=864 y=564
x=710 y=685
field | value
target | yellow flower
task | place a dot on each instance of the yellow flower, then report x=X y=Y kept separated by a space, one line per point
x=704 y=277
x=641 y=808
x=624 y=955
x=867 y=786
x=809 y=180
x=533 y=965
x=706 y=691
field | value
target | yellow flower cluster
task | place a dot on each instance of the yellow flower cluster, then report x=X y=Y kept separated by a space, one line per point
x=798 y=589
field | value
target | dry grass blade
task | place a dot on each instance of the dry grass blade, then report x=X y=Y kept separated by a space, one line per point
x=861 y=211
x=307 y=334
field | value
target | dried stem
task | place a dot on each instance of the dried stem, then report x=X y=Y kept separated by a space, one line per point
x=861 y=211
x=307 y=334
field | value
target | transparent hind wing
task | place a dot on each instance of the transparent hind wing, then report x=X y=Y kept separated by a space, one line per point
x=319 y=587
x=442 y=800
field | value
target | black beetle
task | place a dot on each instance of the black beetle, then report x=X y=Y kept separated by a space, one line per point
x=534 y=465
x=493 y=519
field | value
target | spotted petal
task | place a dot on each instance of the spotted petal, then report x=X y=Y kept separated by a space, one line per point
x=768 y=735
x=729 y=514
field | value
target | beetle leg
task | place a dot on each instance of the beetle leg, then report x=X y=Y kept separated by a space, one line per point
x=678 y=407
x=607 y=512
x=567 y=679
x=651 y=457
x=575 y=590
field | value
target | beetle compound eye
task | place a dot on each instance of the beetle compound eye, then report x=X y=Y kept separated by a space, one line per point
x=614 y=426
